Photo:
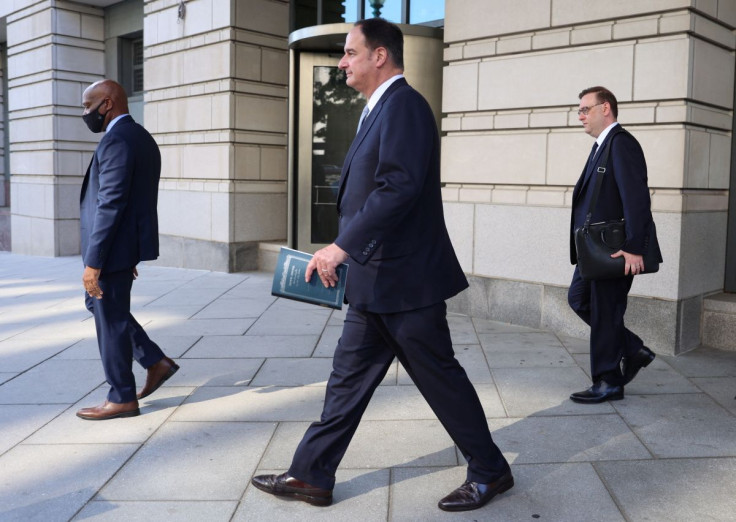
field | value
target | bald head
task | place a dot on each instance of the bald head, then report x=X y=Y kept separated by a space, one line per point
x=108 y=98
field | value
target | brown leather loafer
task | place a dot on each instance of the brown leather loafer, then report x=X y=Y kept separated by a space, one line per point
x=110 y=410
x=158 y=374
x=472 y=495
x=285 y=486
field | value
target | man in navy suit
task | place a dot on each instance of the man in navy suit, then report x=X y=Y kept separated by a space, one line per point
x=119 y=228
x=616 y=353
x=402 y=269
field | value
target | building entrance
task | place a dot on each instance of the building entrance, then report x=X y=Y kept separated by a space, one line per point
x=328 y=117
x=324 y=115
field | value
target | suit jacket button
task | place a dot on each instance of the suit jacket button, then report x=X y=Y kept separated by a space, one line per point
x=365 y=252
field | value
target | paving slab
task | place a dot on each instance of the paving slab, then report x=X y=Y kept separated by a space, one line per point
x=405 y=402
x=290 y=322
x=52 y=482
x=294 y=372
x=20 y=354
x=192 y=461
x=171 y=511
x=53 y=382
x=328 y=340
x=575 y=344
x=359 y=495
x=544 y=391
x=233 y=308
x=230 y=346
x=376 y=444
x=720 y=389
x=569 y=438
x=486 y=326
x=173 y=346
x=67 y=428
x=704 y=362
x=683 y=425
x=569 y=492
x=462 y=330
x=658 y=377
x=209 y=372
x=200 y=327
x=18 y=422
x=269 y=404
x=678 y=490
x=521 y=350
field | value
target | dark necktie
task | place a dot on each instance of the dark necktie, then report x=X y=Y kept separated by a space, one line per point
x=592 y=155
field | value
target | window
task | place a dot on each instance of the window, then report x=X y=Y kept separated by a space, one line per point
x=131 y=63
x=316 y=12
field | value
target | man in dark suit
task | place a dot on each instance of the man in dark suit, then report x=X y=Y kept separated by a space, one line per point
x=119 y=228
x=616 y=353
x=402 y=269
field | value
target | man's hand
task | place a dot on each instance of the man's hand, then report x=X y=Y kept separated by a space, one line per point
x=634 y=264
x=90 y=279
x=325 y=261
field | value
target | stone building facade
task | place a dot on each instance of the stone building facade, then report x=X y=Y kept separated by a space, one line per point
x=215 y=95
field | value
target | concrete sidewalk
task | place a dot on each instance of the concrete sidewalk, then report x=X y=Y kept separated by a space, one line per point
x=253 y=370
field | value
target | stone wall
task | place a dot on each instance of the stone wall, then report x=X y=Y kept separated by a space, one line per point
x=216 y=102
x=514 y=148
x=55 y=50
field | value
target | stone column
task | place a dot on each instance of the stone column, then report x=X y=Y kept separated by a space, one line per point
x=216 y=102
x=514 y=148
x=55 y=50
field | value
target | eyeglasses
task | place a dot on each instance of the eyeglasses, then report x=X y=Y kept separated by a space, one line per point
x=585 y=110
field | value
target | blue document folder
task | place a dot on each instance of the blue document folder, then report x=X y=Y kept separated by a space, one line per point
x=288 y=281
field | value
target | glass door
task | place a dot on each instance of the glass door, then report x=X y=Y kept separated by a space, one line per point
x=328 y=118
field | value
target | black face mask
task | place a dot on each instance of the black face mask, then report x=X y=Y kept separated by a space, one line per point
x=94 y=119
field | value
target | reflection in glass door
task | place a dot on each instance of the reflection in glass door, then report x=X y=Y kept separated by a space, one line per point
x=328 y=117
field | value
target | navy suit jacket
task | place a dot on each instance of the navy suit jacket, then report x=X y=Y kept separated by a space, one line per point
x=390 y=204
x=118 y=217
x=624 y=192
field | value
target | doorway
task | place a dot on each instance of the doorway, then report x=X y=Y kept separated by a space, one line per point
x=328 y=117
x=323 y=119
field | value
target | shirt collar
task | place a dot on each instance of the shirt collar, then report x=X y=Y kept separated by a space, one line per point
x=381 y=90
x=602 y=136
x=114 y=121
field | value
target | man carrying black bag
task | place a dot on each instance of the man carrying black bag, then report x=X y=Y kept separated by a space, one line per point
x=616 y=353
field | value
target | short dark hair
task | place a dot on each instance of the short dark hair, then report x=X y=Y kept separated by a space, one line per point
x=602 y=95
x=379 y=32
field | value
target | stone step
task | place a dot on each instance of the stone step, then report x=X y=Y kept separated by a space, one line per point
x=268 y=254
x=719 y=321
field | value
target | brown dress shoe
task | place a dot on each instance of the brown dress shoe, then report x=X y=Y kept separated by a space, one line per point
x=285 y=486
x=158 y=374
x=110 y=410
x=472 y=495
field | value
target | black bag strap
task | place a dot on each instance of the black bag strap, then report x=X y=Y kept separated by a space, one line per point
x=601 y=170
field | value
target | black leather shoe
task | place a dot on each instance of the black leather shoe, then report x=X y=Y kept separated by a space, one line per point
x=285 y=486
x=472 y=495
x=632 y=365
x=599 y=392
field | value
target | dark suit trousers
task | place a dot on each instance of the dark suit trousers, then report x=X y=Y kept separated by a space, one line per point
x=602 y=305
x=421 y=341
x=119 y=335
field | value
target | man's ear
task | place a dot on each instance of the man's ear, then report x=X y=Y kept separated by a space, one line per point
x=381 y=56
